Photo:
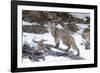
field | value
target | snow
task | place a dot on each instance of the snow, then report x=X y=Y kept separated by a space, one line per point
x=28 y=23
x=32 y=36
x=51 y=58
x=28 y=37
x=83 y=26
x=80 y=15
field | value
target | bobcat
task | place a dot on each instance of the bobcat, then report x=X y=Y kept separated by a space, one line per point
x=61 y=34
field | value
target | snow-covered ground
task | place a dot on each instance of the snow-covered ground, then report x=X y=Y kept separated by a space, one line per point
x=27 y=23
x=28 y=37
x=80 y=15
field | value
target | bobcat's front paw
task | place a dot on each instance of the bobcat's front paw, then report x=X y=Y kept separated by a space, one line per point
x=57 y=45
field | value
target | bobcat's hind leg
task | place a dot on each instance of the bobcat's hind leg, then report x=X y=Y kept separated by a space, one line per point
x=67 y=48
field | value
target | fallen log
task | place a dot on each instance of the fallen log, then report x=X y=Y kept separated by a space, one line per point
x=39 y=55
x=65 y=54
